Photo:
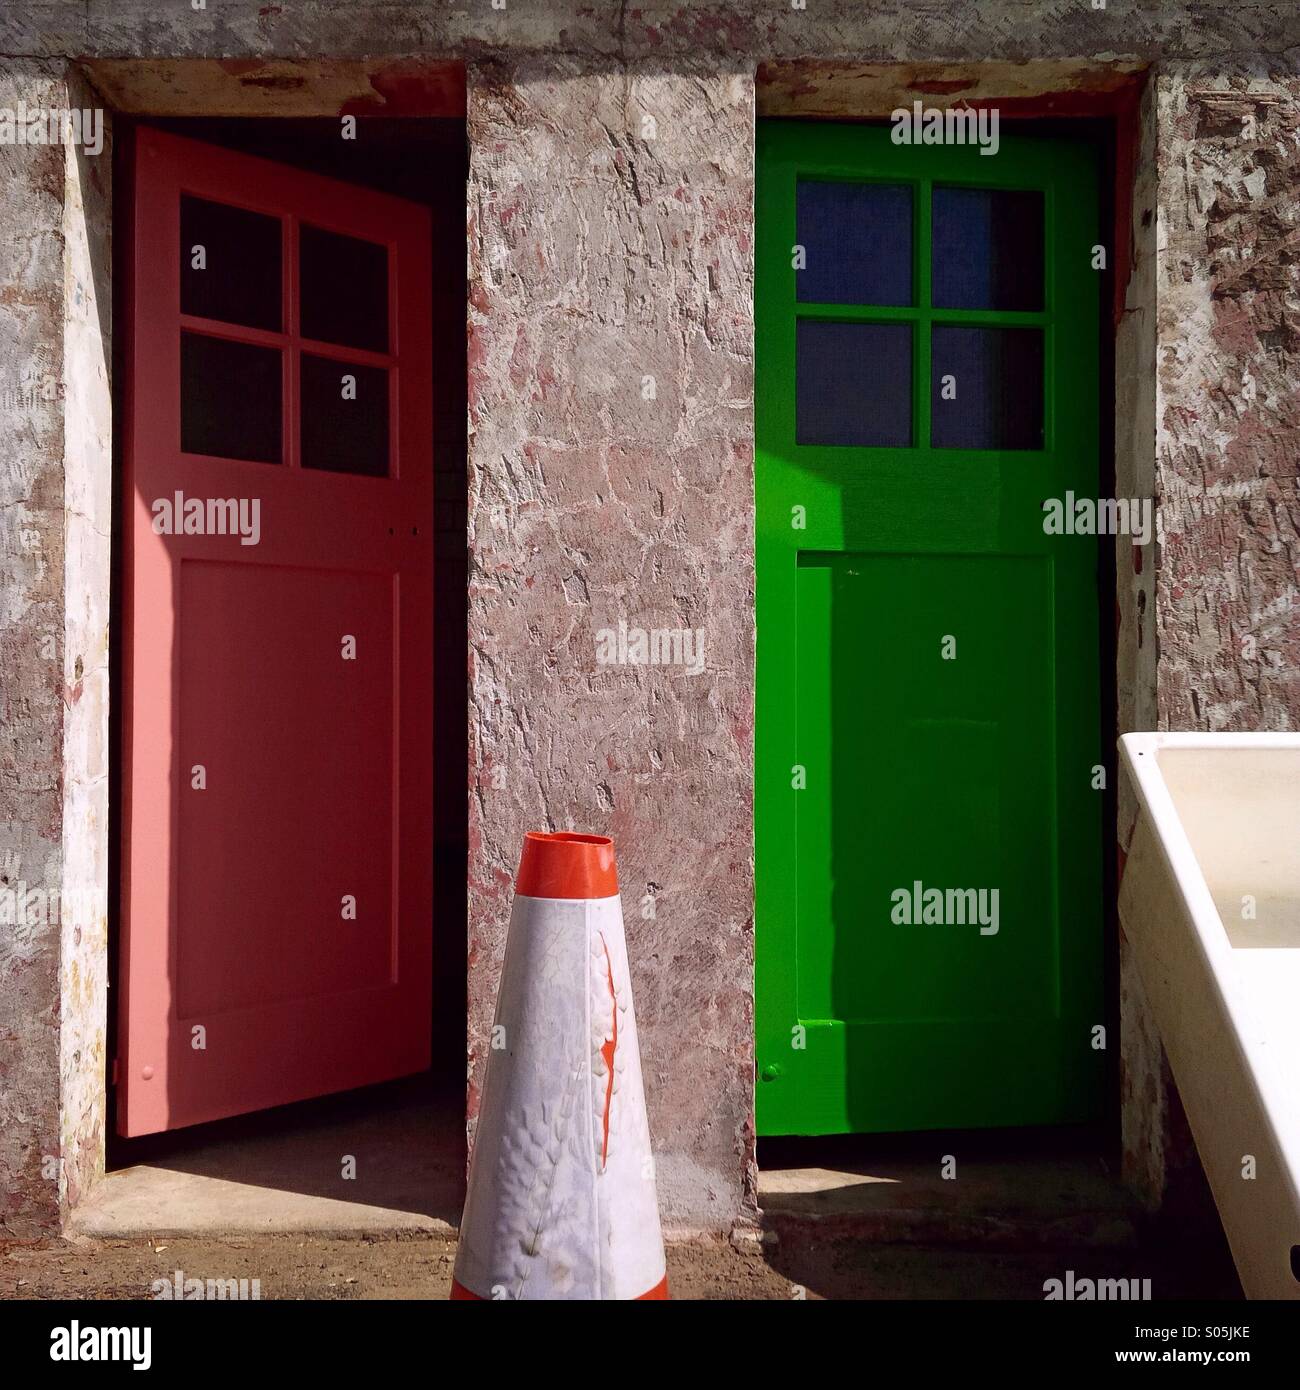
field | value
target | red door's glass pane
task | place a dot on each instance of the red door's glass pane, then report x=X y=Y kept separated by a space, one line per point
x=230 y=399
x=230 y=264
x=344 y=417
x=344 y=289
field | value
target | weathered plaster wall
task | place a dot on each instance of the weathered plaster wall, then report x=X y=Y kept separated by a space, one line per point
x=657 y=30
x=31 y=656
x=88 y=524
x=610 y=244
x=1135 y=445
x=1143 y=1072
x=55 y=501
x=1228 y=402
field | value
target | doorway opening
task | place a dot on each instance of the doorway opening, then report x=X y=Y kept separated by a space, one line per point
x=390 y=1153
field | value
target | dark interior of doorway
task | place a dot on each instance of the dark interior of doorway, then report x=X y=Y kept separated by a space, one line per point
x=424 y=160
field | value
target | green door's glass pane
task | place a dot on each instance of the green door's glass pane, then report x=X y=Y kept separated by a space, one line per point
x=854 y=384
x=987 y=388
x=987 y=249
x=857 y=242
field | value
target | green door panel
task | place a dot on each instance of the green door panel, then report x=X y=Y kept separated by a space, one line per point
x=927 y=657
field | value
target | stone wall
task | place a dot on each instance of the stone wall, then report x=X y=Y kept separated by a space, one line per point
x=87 y=529
x=32 y=773
x=55 y=525
x=720 y=31
x=1228 y=402
x=611 y=480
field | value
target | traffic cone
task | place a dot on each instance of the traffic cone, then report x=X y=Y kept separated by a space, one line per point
x=561 y=1200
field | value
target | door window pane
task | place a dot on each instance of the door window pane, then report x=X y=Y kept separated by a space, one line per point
x=987 y=388
x=853 y=384
x=344 y=417
x=344 y=289
x=987 y=249
x=857 y=240
x=230 y=264
x=230 y=399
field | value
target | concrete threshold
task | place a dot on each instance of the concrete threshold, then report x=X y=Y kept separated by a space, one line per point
x=1016 y=1190
x=384 y=1161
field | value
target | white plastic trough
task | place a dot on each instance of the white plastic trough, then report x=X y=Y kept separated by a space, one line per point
x=1218 y=839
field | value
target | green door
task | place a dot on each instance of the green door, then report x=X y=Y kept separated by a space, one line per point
x=928 y=822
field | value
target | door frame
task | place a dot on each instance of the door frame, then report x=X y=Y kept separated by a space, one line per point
x=97 y=230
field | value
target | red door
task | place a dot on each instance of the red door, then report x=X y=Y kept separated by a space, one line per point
x=277 y=820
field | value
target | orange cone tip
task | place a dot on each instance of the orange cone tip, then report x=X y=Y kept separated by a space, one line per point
x=561 y=1201
x=564 y=865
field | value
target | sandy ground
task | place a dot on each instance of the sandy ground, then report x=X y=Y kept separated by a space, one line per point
x=416 y=1267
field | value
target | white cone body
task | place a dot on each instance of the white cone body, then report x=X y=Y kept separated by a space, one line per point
x=561 y=1200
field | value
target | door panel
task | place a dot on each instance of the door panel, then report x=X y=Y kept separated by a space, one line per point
x=927 y=656
x=270 y=728
x=277 y=834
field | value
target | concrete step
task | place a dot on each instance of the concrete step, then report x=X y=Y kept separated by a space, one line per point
x=947 y=1190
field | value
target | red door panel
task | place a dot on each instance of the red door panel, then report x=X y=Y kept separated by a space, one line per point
x=277 y=821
